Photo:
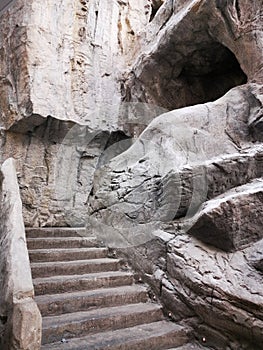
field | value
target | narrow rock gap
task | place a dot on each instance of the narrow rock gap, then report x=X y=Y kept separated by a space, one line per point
x=238 y=9
x=155 y=5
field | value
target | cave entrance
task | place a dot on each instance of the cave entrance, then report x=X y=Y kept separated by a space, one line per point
x=208 y=74
x=195 y=73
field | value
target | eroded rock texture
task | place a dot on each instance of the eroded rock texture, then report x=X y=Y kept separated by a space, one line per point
x=194 y=52
x=62 y=60
x=20 y=319
x=75 y=78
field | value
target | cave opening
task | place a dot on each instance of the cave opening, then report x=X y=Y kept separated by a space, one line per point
x=198 y=74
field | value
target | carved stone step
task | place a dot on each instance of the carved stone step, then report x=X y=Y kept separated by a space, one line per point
x=153 y=336
x=57 y=304
x=71 y=283
x=46 y=269
x=89 y=322
x=39 y=255
x=87 y=302
x=61 y=242
x=39 y=232
x=190 y=346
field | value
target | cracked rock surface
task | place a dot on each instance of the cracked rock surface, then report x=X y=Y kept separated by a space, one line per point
x=144 y=118
x=195 y=172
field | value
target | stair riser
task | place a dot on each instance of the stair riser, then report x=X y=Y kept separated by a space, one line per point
x=55 y=232
x=169 y=340
x=172 y=339
x=61 y=243
x=67 y=256
x=52 y=270
x=82 y=284
x=72 y=330
x=87 y=303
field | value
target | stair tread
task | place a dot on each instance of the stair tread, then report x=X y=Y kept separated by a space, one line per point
x=53 y=231
x=74 y=262
x=129 y=336
x=84 y=306
x=67 y=254
x=76 y=317
x=51 y=298
x=88 y=281
x=64 y=278
x=46 y=239
x=190 y=346
x=58 y=250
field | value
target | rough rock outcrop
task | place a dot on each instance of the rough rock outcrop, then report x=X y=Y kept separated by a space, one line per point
x=78 y=80
x=222 y=288
x=233 y=220
x=62 y=62
x=194 y=52
x=20 y=319
x=197 y=50
x=182 y=158
x=63 y=59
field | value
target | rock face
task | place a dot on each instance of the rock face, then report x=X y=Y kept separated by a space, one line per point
x=189 y=54
x=20 y=319
x=62 y=61
x=233 y=220
x=181 y=159
x=197 y=50
x=132 y=115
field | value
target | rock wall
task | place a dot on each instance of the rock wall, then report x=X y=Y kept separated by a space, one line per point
x=80 y=79
x=197 y=50
x=205 y=262
x=62 y=61
x=20 y=319
x=66 y=58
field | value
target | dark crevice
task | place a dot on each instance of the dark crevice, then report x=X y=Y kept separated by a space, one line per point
x=156 y=4
x=153 y=13
x=118 y=142
x=238 y=9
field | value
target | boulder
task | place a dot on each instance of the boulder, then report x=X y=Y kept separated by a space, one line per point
x=232 y=221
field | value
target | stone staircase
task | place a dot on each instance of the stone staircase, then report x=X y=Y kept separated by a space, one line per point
x=91 y=301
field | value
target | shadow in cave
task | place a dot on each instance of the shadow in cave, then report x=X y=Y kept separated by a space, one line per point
x=204 y=74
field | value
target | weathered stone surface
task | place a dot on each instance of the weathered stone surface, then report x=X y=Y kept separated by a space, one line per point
x=232 y=220
x=220 y=287
x=182 y=158
x=193 y=52
x=76 y=61
x=26 y=321
x=5 y=3
x=16 y=286
x=197 y=50
x=65 y=59
x=62 y=62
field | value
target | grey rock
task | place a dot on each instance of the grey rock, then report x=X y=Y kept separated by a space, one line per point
x=198 y=50
x=233 y=220
x=72 y=87
x=20 y=321
x=182 y=158
x=220 y=287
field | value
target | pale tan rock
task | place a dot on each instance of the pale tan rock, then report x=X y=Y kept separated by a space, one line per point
x=65 y=59
x=26 y=319
x=21 y=328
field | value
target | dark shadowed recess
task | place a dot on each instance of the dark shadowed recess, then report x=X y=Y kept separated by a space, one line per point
x=189 y=75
